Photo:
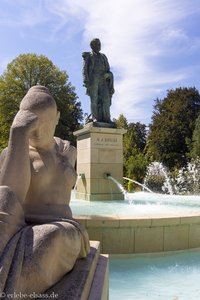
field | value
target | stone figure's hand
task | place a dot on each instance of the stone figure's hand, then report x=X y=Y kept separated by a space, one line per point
x=25 y=121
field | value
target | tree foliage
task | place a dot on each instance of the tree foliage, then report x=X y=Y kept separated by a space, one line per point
x=195 y=149
x=28 y=70
x=134 y=155
x=121 y=122
x=173 y=122
x=134 y=143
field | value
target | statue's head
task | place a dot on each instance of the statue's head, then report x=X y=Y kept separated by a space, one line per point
x=39 y=101
x=95 y=45
x=37 y=98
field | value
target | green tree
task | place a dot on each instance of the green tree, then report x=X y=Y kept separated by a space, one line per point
x=136 y=166
x=28 y=70
x=134 y=145
x=121 y=122
x=135 y=138
x=134 y=142
x=173 y=123
x=195 y=150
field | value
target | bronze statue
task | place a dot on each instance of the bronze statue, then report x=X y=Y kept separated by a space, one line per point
x=98 y=79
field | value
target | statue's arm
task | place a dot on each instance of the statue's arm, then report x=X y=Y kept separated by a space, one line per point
x=107 y=66
x=15 y=162
x=85 y=68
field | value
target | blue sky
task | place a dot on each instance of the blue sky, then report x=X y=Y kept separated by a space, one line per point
x=152 y=45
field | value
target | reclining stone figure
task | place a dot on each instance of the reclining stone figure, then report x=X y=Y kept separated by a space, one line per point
x=39 y=240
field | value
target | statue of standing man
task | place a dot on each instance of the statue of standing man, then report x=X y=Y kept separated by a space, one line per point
x=98 y=80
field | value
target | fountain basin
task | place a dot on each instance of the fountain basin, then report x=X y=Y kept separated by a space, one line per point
x=172 y=275
x=144 y=233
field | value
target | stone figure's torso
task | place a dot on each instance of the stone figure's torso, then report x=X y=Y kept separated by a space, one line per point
x=52 y=178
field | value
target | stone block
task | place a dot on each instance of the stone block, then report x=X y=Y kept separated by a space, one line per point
x=83 y=168
x=105 y=221
x=118 y=240
x=148 y=239
x=84 y=142
x=95 y=234
x=81 y=282
x=127 y=221
x=84 y=156
x=176 y=237
x=194 y=236
x=110 y=155
x=83 y=196
x=98 y=170
x=94 y=156
x=100 y=285
x=190 y=220
x=165 y=221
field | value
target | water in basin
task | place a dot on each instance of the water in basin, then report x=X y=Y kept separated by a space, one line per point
x=168 y=276
x=140 y=204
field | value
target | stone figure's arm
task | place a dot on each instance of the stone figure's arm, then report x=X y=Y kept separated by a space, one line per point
x=15 y=169
x=67 y=150
x=72 y=155
x=2 y=157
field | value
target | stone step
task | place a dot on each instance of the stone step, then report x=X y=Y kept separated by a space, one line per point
x=85 y=280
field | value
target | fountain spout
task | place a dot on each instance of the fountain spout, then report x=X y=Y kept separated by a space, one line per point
x=81 y=175
x=108 y=176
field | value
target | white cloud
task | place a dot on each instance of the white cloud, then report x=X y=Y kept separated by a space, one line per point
x=134 y=34
x=143 y=40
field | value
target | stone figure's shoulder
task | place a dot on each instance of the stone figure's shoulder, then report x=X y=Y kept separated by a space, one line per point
x=63 y=145
x=66 y=149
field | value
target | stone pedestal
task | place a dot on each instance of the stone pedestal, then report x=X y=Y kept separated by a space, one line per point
x=100 y=152
x=87 y=281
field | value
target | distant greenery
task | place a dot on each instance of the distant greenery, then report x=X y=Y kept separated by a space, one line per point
x=173 y=123
x=134 y=143
x=195 y=149
x=173 y=137
x=28 y=70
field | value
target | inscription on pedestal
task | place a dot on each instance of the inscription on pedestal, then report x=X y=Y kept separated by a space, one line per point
x=103 y=141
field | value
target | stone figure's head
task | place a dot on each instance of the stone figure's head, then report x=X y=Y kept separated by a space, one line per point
x=39 y=101
x=95 y=45
x=38 y=98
